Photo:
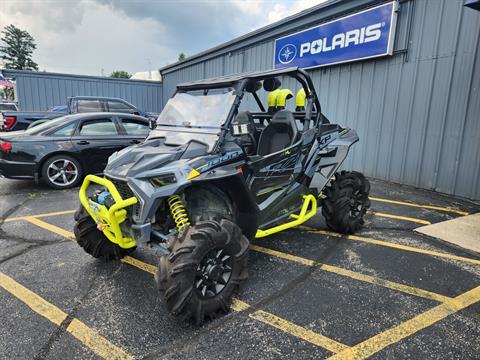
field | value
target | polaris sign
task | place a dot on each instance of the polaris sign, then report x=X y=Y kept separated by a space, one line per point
x=367 y=34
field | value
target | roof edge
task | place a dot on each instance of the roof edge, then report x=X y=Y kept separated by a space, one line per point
x=12 y=72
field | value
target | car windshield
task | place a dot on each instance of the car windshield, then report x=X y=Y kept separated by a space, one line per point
x=197 y=109
x=195 y=116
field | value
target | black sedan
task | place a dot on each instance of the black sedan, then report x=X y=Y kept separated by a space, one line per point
x=62 y=151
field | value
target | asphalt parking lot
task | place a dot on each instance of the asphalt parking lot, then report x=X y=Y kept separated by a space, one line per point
x=386 y=292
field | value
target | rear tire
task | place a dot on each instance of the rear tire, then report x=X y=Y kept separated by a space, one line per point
x=62 y=172
x=93 y=241
x=346 y=202
x=206 y=265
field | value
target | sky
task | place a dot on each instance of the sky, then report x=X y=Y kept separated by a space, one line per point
x=95 y=37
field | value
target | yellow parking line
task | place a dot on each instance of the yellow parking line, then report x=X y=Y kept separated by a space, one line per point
x=237 y=305
x=97 y=343
x=139 y=264
x=50 y=227
x=355 y=275
x=290 y=328
x=55 y=213
x=283 y=255
x=406 y=218
x=394 y=335
x=394 y=246
x=298 y=331
x=431 y=207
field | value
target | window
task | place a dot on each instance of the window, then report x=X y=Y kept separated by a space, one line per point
x=98 y=127
x=89 y=106
x=66 y=130
x=117 y=106
x=135 y=127
x=8 y=107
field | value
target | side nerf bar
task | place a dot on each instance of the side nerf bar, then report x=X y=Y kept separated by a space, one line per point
x=309 y=201
x=108 y=219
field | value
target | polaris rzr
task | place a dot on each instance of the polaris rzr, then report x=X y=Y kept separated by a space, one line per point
x=213 y=176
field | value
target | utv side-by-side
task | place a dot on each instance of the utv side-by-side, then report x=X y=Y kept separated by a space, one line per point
x=219 y=170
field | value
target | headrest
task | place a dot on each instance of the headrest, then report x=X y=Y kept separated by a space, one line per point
x=271 y=84
x=244 y=117
x=253 y=86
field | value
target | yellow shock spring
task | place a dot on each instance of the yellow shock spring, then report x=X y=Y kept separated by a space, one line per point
x=178 y=212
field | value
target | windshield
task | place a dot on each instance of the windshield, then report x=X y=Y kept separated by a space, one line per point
x=194 y=116
x=195 y=109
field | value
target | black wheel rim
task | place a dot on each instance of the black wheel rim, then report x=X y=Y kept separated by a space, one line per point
x=213 y=273
x=356 y=204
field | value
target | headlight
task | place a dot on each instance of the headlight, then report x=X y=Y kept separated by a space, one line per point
x=162 y=180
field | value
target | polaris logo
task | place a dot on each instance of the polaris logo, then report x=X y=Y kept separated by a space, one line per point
x=362 y=35
x=287 y=54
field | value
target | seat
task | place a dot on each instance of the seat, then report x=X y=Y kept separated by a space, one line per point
x=248 y=138
x=280 y=133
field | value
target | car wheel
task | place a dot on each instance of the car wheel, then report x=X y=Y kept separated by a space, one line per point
x=62 y=172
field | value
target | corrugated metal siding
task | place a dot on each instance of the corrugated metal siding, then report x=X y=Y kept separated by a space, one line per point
x=417 y=113
x=39 y=91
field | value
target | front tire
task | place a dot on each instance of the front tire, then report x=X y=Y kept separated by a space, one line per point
x=206 y=265
x=346 y=202
x=93 y=241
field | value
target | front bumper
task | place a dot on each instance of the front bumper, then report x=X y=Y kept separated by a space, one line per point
x=17 y=169
x=108 y=219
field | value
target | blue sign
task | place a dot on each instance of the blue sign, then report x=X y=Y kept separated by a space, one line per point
x=367 y=34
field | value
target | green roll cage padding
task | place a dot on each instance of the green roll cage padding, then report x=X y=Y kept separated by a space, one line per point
x=282 y=97
x=301 y=98
x=272 y=98
x=108 y=219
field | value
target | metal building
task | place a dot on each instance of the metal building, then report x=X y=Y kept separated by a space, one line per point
x=417 y=111
x=39 y=91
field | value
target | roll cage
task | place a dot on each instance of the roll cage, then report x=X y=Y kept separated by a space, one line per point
x=245 y=83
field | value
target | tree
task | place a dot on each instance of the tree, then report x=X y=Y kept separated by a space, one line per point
x=120 y=74
x=18 y=49
x=182 y=57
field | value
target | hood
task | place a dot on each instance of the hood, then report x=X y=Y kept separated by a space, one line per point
x=150 y=155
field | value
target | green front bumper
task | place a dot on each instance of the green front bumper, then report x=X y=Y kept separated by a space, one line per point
x=108 y=219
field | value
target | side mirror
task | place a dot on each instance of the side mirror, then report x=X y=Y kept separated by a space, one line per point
x=152 y=124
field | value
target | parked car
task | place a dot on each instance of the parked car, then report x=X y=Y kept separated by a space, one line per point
x=8 y=106
x=21 y=120
x=62 y=151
